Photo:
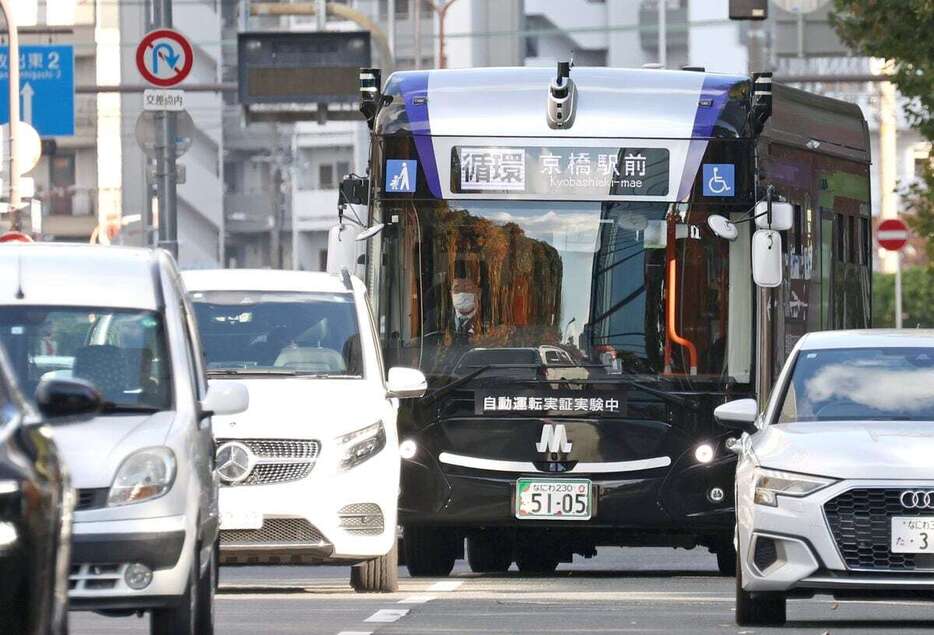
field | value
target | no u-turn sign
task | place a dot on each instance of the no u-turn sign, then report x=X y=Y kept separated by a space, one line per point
x=164 y=57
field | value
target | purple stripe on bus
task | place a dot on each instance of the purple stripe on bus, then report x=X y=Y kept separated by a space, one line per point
x=413 y=89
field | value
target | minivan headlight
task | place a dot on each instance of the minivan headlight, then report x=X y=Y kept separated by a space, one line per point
x=771 y=484
x=358 y=446
x=144 y=475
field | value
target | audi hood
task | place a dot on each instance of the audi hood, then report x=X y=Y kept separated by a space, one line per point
x=849 y=449
x=304 y=408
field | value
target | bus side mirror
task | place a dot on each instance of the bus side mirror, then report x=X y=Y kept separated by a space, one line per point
x=782 y=215
x=767 y=258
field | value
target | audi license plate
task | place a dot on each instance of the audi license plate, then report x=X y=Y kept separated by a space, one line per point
x=913 y=534
x=241 y=520
x=557 y=499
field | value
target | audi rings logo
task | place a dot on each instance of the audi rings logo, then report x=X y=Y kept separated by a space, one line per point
x=234 y=462
x=918 y=499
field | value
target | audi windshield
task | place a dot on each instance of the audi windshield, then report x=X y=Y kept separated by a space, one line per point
x=860 y=384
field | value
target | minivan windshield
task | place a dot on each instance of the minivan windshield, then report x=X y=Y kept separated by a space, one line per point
x=122 y=352
x=894 y=384
x=279 y=333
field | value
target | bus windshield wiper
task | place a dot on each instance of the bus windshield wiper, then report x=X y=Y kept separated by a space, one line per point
x=445 y=389
x=109 y=407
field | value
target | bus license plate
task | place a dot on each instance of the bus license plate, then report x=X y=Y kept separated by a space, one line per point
x=913 y=534
x=558 y=499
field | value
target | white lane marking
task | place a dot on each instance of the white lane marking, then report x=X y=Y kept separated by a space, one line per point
x=445 y=585
x=421 y=598
x=355 y=633
x=386 y=616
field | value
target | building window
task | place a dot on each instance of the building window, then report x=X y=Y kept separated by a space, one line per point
x=402 y=9
x=62 y=183
x=323 y=260
x=326 y=177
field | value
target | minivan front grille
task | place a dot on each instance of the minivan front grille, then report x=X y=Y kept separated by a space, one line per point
x=275 y=531
x=276 y=460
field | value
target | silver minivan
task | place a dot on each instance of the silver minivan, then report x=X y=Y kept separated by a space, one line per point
x=146 y=517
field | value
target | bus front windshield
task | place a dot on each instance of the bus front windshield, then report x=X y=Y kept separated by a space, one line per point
x=544 y=287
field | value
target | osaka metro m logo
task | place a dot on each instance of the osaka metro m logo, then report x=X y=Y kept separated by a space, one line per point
x=554 y=439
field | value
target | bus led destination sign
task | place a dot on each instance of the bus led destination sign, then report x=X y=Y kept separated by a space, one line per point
x=579 y=172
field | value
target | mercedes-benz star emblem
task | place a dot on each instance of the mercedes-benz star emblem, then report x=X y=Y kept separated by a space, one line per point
x=917 y=499
x=234 y=462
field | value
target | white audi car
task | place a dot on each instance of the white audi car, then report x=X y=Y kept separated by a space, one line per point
x=310 y=472
x=835 y=480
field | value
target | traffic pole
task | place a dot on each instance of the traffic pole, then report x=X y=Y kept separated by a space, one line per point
x=898 y=289
x=166 y=154
x=13 y=62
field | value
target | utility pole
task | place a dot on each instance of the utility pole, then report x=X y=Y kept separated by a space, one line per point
x=14 y=193
x=662 y=33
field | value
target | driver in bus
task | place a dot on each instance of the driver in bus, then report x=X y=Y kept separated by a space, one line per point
x=464 y=300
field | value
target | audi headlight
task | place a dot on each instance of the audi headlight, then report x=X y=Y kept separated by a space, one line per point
x=144 y=475
x=358 y=446
x=771 y=484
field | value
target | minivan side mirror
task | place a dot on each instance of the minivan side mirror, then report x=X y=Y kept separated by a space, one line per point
x=738 y=415
x=767 y=258
x=406 y=383
x=224 y=397
x=69 y=399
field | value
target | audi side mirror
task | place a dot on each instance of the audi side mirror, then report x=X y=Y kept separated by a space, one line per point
x=739 y=415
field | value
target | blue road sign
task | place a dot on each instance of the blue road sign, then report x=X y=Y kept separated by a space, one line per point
x=719 y=179
x=47 y=88
x=400 y=175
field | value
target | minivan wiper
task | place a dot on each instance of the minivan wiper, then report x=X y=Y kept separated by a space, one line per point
x=110 y=407
x=251 y=371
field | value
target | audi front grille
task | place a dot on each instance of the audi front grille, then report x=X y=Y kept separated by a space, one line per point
x=861 y=523
x=276 y=460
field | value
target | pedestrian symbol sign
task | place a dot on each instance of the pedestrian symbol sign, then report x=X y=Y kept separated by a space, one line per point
x=719 y=179
x=46 y=88
x=164 y=57
x=400 y=176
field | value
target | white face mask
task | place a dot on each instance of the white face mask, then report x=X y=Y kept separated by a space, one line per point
x=464 y=303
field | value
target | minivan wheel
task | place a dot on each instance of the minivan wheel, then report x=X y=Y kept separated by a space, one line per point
x=489 y=551
x=759 y=608
x=182 y=618
x=377 y=575
x=207 y=584
x=429 y=551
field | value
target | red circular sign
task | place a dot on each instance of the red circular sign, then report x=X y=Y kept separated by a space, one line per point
x=164 y=57
x=892 y=234
x=15 y=237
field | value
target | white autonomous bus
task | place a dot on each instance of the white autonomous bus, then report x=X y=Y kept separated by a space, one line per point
x=567 y=258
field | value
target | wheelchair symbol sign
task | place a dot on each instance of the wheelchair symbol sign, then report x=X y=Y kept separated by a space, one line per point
x=719 y=179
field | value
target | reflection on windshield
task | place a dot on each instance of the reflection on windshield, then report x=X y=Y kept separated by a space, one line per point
x=279 y=333
x=550 y=285
x=122 y=352
x=896 y=383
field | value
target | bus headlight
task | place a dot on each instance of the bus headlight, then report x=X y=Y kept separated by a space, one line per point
x=363 y=444
x=704 y=453
x=771 y=484
x=408 y=449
